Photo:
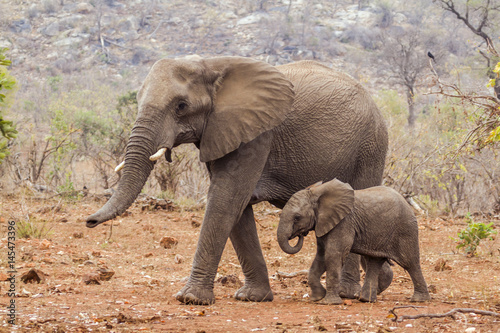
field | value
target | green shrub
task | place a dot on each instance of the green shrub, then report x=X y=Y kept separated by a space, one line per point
x=470 y=237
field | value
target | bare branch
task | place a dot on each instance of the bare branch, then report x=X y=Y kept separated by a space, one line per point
x=438 y=315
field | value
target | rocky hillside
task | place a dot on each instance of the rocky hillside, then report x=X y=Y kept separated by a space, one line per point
x=50 y=37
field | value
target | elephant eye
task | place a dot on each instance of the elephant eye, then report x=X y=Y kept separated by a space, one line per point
x=181 y=107
x=296 y=218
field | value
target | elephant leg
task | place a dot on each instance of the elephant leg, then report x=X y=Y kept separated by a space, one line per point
x=349 y=284
x=370 y=286
x=333 y=262
x=385 y=276
x=317 y=269
x=420 y=291
x=233 y=179
x=246 y=244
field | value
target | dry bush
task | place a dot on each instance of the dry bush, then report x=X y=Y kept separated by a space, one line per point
x=425 y=163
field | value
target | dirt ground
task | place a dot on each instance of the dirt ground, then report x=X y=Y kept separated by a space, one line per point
x=139 y=296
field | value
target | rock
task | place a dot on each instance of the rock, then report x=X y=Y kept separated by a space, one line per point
x=4 y=277
x=105 y=274
x=78 y=234
x=441 y=265
x=69 y=41
x=129 y=24
x=168 y=242
x=33 y=276
x=91 y=278
x=21 y=25
x=80 y=259
x=5 y=44
x=45 y=244
x=70 y=22
x=51 y=29
x=83 y=8
x=251 y=19
x=230 y=280
x=178 y=259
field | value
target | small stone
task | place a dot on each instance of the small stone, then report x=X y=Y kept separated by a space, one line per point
x=45 y=244
x=441 y=265
x=91 y=278
x=230 y=280
x=149 y=254
x=105 y=274
x=347 y=302
x=48 y=260
x=80 y=260
x=168 y=242
x=178 y=259
x=78 y=235
x=33 y=276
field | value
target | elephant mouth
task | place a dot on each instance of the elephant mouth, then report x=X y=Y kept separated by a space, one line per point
x=92 y=223
x=299 y=233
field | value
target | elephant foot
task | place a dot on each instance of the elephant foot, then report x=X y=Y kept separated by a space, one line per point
x=420 y=297
x=195 y=295
x=331 y=299
x=317 y=294
x=349 y=290
x=368 y=296
x=252 y=294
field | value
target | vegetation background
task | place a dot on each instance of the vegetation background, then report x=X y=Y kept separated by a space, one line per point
x=79 y=64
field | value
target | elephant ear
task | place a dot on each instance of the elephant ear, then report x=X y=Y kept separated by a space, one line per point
x=335 y=201
x=251 y=97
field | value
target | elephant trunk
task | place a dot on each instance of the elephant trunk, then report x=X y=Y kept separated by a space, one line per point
x=284 y=235
x=135 y=172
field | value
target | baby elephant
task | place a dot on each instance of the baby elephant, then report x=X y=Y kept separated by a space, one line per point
x=375 y=222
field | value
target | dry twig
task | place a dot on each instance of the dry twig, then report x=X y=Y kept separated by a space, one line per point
x=283 y=275
x=438 y=315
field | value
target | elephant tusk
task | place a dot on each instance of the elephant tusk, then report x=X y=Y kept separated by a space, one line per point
x=119 y=166
x=158 y=154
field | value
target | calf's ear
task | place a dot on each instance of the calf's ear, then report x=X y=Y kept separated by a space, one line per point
x=335 y=201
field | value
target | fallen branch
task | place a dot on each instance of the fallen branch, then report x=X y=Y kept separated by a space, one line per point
x=438 y=315
x=283 y=275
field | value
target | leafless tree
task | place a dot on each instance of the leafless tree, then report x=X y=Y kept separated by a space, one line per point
x=480 y=17
x=405 y=57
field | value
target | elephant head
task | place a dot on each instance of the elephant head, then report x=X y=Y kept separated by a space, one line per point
x=320 y=207
x=216 y=103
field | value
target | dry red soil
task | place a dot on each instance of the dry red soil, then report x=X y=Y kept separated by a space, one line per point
x=140 y=295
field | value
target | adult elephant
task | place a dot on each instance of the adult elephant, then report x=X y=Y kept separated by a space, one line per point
x=264 y=133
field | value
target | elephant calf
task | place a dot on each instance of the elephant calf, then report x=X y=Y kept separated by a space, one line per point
x=375 y=222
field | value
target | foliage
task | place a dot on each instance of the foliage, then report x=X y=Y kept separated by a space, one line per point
x=469 y=238
x=7 y=87
x=33 y=229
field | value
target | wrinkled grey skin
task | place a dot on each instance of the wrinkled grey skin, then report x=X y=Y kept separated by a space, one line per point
x=264 y=132
x=376 y=222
